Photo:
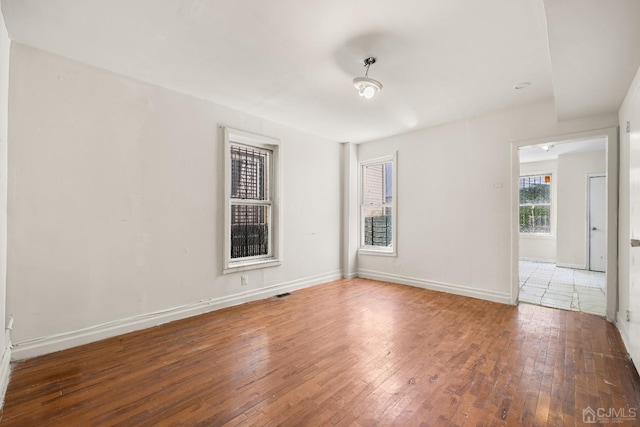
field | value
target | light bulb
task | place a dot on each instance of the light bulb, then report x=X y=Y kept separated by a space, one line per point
x=369 y=92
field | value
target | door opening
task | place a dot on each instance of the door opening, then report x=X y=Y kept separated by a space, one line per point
x=560 y=265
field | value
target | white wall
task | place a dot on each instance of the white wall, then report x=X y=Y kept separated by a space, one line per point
x=629 y=285
x=457 y=230
x=536 y=247
x=350 y=209
x=5 y=45
x=115 y=205
x=573 y=170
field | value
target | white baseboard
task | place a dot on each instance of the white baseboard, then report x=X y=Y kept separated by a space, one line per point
x=5 y=372
x=625 y=331
x=501 y=297
x=49 y=344
x=546 y=261
x=574 y=266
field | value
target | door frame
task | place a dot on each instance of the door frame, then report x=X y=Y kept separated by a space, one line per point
x=588 y=209
x=611 y=215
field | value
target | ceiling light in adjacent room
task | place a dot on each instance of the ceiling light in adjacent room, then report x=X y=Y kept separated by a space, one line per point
x=366 y=86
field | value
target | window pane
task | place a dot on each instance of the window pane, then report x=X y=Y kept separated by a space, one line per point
x=377 y=225
x=535 y=204
x=535 y=189
x=249 y=173
x=249 y=230
x=535 y=218
x=378 y=184
x=388 y=182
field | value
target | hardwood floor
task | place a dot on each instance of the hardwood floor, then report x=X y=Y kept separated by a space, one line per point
x=351 y=352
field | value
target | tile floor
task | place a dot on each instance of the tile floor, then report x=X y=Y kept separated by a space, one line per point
x=566 y=288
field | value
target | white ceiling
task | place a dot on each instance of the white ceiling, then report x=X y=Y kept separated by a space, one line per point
x=536 y=153
x=293 y=61
x=595 y=52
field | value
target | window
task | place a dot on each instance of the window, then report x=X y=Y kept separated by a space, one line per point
x=535 y=204
x=378 y=208
x=251 y=214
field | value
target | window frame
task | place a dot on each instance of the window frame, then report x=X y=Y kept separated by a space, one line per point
x=371 y=249
x=234 y=137
x=551 y=205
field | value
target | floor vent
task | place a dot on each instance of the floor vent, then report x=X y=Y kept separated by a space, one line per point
x=286 y=294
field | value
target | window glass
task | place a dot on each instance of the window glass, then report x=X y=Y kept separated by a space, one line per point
x=535 y=204
x=377 y=205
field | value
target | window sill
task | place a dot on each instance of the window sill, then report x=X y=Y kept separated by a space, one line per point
x=376 y=252
x=251 y=265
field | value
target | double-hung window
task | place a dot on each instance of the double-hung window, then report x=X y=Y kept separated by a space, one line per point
x=251 y=199
x=535 y=204
x=378 y=206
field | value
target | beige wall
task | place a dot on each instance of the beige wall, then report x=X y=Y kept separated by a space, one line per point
x=573 y=170
x=628 y=270
x=5 y=45
x=116 y=205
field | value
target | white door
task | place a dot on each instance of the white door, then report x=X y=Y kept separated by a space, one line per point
x=634 y=219
x=597 y=225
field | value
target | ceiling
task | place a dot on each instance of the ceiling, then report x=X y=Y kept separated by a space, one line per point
x=551 y=151
x=293 y=61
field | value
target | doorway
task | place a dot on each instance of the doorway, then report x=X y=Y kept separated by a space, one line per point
x=562 y=225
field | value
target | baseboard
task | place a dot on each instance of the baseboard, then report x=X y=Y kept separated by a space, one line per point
x=49 y=344
x=545 y=261
x=624 y=328
x=5 y=372
x=574 y=266
x=494 y=296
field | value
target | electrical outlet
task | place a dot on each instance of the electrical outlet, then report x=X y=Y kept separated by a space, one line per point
x=628 y=315
x=244 y=280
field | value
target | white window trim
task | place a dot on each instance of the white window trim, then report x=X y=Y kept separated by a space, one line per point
x=552 y=206
x=234 y=136
x=377 y=250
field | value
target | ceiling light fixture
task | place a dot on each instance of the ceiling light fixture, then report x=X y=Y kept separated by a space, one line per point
x=366 y=86
x=547 y=147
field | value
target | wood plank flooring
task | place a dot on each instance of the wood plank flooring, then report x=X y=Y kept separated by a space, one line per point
x=351 y=352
